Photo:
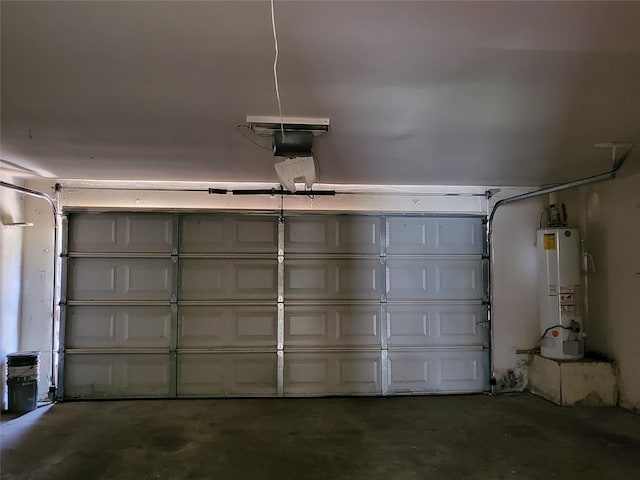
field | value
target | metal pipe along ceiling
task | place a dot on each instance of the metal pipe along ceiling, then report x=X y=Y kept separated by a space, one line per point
x=610 y=175
x=32 y=193
x=56 y=241
x=536 y=193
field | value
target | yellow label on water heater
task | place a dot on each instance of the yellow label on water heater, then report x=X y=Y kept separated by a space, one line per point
x=549 y=241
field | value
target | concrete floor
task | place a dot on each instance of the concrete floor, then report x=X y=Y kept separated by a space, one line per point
x=459 y=437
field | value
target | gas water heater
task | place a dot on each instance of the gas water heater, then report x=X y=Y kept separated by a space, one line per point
x=560 y=293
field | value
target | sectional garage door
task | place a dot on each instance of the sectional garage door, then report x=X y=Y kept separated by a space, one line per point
x=208 y=305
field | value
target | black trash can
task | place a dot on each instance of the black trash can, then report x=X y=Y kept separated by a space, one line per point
x=23 y=372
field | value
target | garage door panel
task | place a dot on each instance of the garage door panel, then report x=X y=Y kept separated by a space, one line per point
x=215 y=305
x=228 y=279
x=432 y=325
x=146 y=233
x=332 y=325
x=119 y=278
x=93 y=233
x=228 y=234
x=118 y=233
x=329 y=279
x=329 y=373
x=435 y=279
x=454 y=371
x=116 y=375
x=332 y=234
x=434 y=236
x=227 y=326
x=408 y=372
x=227 y=374
x=115 y=326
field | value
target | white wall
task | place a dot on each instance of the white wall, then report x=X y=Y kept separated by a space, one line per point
x=608 y=215
x=11 y=210
x=37 y=281
x=515 y=308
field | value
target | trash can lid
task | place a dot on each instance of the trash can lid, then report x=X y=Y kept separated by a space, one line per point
x=32 y=353
x=23 y=358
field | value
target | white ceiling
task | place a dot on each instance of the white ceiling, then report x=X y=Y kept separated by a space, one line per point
x=417 y=92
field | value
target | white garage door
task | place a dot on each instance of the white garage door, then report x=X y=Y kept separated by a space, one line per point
x=205 y=305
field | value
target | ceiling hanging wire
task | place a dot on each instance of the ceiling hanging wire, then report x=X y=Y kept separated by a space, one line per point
x=275 y=67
